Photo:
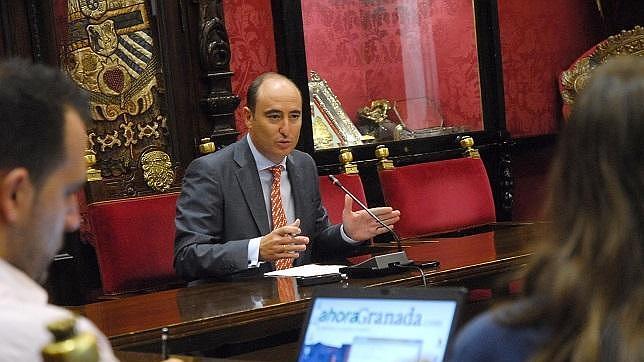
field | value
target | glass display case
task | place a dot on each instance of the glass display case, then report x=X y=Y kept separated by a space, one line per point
x=413 y=74
x=400 y=69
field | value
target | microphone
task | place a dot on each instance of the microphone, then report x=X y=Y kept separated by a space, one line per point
x=379 y=264
x=364 y=207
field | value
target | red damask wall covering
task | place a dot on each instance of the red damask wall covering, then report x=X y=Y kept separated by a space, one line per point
x=539 y=39
x=250 y=30
x=419 y=53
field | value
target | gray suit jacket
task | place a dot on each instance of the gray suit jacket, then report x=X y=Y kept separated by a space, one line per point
x=221 y=208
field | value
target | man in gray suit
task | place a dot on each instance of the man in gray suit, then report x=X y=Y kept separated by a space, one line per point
x=225 y=212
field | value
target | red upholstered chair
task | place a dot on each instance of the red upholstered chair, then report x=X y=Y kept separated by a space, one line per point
x=134 y=241
x=440 y=196
x=333 y=197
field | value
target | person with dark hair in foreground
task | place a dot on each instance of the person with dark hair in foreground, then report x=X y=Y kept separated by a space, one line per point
x=255 y=205
x=584 y=292
x=42 y=143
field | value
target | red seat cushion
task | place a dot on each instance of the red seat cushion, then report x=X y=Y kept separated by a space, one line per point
x=134 y=240
x=333 y=197
x=439 y=196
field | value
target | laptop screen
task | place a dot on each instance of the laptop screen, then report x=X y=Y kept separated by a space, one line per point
x=377 y=329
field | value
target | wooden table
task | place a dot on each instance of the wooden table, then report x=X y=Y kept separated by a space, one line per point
x=207 y=316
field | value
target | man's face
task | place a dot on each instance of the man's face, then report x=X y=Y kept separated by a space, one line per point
x=55 y=206
x=275 y=124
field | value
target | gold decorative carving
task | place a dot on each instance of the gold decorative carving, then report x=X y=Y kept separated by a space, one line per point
x=329 y=118
x=102 y=37
x=109 y=141
x=377 y=111
x=378 y=122
x=128 y=133
x=322 y=135
x=626 y=42
x=148 y=130
x=110 y=52
x=93 y=8
x=157 y=170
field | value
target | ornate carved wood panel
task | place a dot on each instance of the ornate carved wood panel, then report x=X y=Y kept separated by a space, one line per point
x=110 y=51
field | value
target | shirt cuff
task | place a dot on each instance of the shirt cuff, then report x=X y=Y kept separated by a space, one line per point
x=346 y=238
x=253 y=252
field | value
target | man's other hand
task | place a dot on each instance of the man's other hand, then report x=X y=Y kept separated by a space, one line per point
x=359 y=225
x=283 y=242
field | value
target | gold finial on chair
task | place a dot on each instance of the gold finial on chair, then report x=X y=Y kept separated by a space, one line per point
x=207 y=146
x=69 y=346
x=92 y=174
x=467 y=142
x=382 y=153
x=346 y=157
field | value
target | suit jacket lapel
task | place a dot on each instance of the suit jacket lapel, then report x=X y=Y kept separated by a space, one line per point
x=296 y=179
x=251 y=187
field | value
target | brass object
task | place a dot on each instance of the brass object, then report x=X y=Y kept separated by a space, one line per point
x=627 y=42
x=346 y=157
x=92 y=174
x=376 y=111
x=68 y=346
x=376 y=121
x=384 y=163
x=206 y=146
x=157 y=170
x=467 y=142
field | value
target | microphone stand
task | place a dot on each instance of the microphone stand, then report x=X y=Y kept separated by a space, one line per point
x=379 y=264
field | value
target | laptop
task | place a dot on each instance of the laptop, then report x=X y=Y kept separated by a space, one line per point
x=386 y=324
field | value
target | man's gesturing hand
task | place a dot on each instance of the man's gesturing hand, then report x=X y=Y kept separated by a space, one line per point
x=283 y=243
x=359 y=225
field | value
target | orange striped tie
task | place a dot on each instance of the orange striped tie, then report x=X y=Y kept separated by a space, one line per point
x=277 y=212
x=287 y=289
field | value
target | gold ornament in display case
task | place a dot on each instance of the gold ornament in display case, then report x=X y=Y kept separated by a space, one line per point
x=332 y=127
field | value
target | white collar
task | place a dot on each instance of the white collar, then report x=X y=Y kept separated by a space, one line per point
x=262 y=161
x=16 y=285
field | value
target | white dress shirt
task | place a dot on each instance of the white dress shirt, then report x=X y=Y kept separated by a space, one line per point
x=266 y=179
x=24 y=315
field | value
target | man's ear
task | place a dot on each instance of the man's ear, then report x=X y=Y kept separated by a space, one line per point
x=248 y=117
x=15 y=192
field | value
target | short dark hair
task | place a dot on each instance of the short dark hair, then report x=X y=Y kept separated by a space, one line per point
x=251 y=95
x=33 y=102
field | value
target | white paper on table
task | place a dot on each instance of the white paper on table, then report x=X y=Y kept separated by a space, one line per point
x=307 y=270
